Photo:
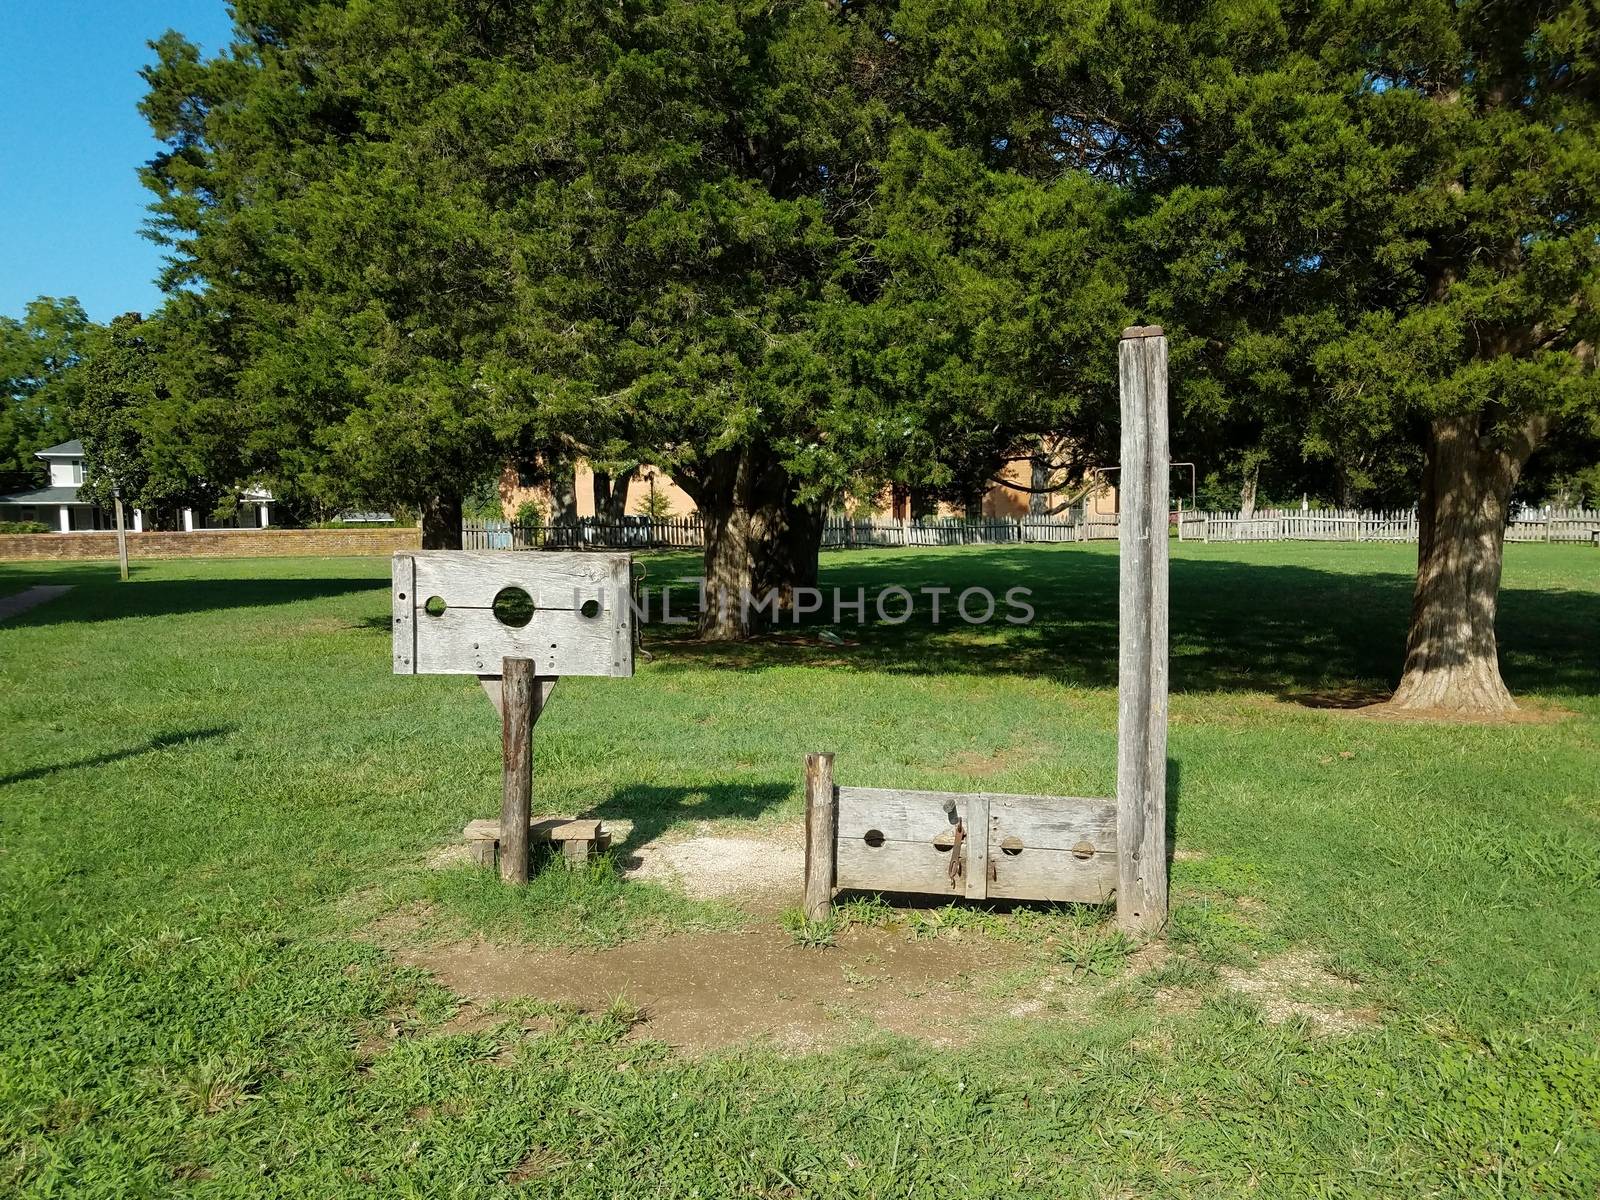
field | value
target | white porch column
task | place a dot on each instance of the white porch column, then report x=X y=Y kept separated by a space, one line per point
x=188 y=520
x=261 y=514
x=66 y=519
x=138 y=520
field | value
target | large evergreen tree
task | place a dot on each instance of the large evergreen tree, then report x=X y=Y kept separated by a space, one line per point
x=777 y=246
x=38 y=385
x=1377 y=225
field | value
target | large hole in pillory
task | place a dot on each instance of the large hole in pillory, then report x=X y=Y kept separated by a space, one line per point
x=590 y=608
x=1011 y=845
x=435 y=606
x=873 y=838
x=513 y=606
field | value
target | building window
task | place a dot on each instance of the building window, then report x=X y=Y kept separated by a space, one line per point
x=77 y=471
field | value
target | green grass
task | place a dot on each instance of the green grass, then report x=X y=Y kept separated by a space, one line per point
x=211 y=787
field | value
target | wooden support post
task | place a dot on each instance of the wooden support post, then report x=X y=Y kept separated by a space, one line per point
x=521 y=698
x=122 y=537
x=822 y=825
x=1142 y=654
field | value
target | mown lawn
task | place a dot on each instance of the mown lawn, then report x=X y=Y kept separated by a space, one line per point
x=211 y=787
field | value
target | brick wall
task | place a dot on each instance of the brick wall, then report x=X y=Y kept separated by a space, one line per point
x=212 y=543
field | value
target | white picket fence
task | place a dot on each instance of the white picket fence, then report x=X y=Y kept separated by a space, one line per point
x=841 y=533
x=1350 y=525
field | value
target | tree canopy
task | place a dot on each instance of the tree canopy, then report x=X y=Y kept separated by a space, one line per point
x=784 y=248
x=38 y=386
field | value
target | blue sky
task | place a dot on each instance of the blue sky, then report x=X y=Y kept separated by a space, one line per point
x=71 y=142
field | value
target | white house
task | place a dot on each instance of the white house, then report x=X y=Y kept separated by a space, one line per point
x=58 y=505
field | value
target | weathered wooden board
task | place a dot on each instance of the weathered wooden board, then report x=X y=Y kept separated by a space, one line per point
x=898 y=814
x=895 y=867
x=554 y=579
x=472 y=641
x=1015 y=847
x=975 y=847
x=1038 y=874
x=1058 y=822
x=582 y=621
x=403 y=598
x=540 y=829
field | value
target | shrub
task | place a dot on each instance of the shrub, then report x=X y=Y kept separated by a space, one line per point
x=530 y=513
x=24 y=527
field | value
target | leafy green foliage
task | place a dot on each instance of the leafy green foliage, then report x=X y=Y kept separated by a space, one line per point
x=134 y=436
x=38 y=385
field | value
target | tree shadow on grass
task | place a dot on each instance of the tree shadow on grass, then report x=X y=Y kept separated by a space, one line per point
x=1319 y=636
x=654 y=809
x=164 y=741
x=95 y=600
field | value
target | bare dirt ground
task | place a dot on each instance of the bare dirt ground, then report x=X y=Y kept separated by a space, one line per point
x=710 y=867
x=701 y=992
x=1373 y=705
x=1296 y=985
x=704 y=991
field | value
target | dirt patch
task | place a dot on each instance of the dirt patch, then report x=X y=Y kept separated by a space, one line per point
x=971 y=762
x=1527 y=712
x=704 y=991
x=451 y=854
x=706 y=868
x=1296 y=985
x=1373 y=705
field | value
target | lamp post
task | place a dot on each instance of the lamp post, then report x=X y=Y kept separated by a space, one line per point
x=122 y=533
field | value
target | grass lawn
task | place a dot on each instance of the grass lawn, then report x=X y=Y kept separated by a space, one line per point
x=212 y=790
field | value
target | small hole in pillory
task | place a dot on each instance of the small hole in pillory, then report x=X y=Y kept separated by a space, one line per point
x=435 y=606
x=1011 y=845
x=590 y=608
x=942 y=842
x=873 y=838
x=513 y=606
x=402 y=595
x=1083 y=850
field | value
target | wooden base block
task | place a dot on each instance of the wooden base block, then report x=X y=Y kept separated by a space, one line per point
x=577 y=840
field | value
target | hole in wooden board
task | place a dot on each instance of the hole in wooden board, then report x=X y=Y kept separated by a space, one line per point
x=942 y=842
x=590 y=608
x=402 y=595
x=1083 y=850
x=1011 y=844
x=512 y=606
x=435 y=606
x=873 y=838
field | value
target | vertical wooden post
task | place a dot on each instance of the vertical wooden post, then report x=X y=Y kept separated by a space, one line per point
x=1142 y=651
x=520 y=698
x=122 y=538
x=822 y=832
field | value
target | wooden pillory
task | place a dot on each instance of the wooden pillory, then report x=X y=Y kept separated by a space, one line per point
x=990 y=846
x=518 y=622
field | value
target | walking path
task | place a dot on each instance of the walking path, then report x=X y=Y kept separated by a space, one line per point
x=10 y=606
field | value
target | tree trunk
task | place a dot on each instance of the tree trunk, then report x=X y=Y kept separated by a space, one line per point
x=441 y=522
x=1452 y=660
x=611 y=494
x=563 y=493
x=1247 y=493
x=1039 y=481
x=761 y=543
x=789 y=542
